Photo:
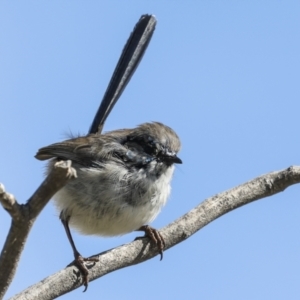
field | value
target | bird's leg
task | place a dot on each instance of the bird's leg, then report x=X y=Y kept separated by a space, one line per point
x=155 y=237
x=78 y=259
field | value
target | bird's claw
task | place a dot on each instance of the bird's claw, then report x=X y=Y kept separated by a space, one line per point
x=80 y=263
x=156 y=237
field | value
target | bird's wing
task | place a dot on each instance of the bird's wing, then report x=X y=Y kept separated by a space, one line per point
x=72 y=149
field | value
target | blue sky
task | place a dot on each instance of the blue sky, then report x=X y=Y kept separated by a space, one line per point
x=223 y=74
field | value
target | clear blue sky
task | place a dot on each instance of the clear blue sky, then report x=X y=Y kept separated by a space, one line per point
x=223 y=74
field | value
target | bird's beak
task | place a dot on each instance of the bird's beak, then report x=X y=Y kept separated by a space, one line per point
x=176 y=160
x=171 y=158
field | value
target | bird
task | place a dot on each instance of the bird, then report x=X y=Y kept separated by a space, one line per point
x=123 y=176
x=123 y=180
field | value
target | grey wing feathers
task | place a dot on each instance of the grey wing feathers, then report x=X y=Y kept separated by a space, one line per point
x=65 y=150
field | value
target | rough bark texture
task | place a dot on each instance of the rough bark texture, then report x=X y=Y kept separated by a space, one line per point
x=138 y=251
x=23 y=217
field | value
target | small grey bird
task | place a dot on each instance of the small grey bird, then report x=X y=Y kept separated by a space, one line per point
x=123 y=176
x=123 y=181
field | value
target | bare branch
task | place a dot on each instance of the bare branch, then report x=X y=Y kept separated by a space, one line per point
x=23 y=217
x=138 y=251
x=9 y=203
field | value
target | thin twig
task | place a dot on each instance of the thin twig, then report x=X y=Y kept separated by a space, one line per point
x=23 y=217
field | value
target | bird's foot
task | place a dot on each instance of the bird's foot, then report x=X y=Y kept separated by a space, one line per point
x=80 y=263
x=155 y=237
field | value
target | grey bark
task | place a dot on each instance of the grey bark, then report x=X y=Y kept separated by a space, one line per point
x=138 y=251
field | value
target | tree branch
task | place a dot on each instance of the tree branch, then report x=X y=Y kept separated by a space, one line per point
x=23 y=217
x=138 y=251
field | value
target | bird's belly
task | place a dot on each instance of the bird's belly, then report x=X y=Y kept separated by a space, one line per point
x=112 y=201
x=109 y=213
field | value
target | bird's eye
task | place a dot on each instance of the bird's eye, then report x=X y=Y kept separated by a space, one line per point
x=156 y=147
x=150 y=148
x=147 y=143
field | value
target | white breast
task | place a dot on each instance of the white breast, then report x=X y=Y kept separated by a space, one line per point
x=100 y=209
